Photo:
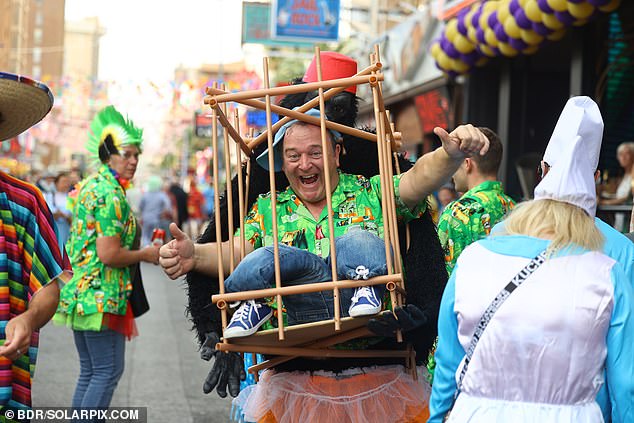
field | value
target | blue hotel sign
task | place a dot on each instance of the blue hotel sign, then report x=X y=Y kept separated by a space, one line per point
x=305 y=20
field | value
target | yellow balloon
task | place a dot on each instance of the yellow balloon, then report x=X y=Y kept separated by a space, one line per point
x=487 y=50
x=507 y=50
x=557 y=35
x=533 y=12
x=530 y=37
x=484 y=19
x=558 y=5
x=522 y=3
x=610 y=7
x=490 y=6
x=503 y=10
x=462 y=44
x=459 y=66
x=581 y=10
x=451 y=29
x=551 y=21
x=435 y=50
x=471 y=34
x=511 y=28
x=443 y=61
x=490 y=38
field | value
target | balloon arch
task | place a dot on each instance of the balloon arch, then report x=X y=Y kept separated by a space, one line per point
x=509 y=28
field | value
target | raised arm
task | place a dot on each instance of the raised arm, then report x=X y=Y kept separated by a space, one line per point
x=437 y=167
x=181 y=255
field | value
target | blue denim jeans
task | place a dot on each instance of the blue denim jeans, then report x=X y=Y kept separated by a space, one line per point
x=297 y=267
x=101 y=363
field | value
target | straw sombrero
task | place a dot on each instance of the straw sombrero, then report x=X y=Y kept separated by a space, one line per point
x=23 y=103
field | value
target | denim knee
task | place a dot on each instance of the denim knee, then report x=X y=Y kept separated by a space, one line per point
x=360 y=255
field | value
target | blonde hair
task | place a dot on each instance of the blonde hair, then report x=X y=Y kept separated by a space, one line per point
x=563 y=223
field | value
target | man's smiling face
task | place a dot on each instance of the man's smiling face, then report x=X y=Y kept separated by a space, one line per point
x=303 y=163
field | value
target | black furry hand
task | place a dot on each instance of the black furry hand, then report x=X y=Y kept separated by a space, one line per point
x=228 y=369
x=408 y=317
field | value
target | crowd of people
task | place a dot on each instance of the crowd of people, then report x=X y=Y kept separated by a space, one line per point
x=534 y=323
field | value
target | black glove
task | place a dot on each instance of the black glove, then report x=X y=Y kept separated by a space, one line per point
x=408 y=317
x=228 y=368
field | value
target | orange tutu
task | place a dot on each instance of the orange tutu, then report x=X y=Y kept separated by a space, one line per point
x=378 y=394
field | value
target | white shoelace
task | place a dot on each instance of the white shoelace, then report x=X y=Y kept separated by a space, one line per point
x=363 y=291
x=362 y=272
x=243 y=312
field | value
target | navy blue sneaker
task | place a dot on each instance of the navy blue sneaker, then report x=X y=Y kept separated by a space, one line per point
x=365 y=302
x=247 y=319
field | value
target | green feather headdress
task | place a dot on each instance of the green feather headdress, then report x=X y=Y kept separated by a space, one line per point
x=109 y=123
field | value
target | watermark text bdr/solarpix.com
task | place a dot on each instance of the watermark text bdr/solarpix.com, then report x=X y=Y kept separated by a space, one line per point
x=67 y=414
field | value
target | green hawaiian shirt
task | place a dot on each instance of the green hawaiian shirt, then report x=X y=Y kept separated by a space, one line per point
x=101 y=210
x=356 y=201
x=471 y=218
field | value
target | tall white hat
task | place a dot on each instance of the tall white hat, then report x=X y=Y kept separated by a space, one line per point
x=573 y=156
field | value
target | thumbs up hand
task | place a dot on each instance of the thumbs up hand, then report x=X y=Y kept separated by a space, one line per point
x=464 y=141
x=177 y=256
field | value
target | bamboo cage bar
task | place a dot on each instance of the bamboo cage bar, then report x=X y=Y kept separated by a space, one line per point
x=397 y=238
x=385 y=184
x=229 y=128
x=293 y=89
x=241 y=200
x=296 y=114
x=276 y=249
x=303 y=289
x=227 y=154
x=324 y=343
x=392 y=207
x=221 y=272
x=311 y=352
x=248 y=181
x=325 y=145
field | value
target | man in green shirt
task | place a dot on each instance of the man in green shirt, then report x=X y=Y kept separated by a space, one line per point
x=482 y=205
x=302 y=220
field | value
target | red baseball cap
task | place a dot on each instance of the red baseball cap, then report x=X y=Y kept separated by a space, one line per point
x=333 y=66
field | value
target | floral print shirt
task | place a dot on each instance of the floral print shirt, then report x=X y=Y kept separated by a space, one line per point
x=101 y=210
x=356 y=201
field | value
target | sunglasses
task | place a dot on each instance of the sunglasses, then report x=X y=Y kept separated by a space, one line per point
x=542 y=170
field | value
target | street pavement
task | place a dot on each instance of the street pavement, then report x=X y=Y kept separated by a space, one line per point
x=163 y=370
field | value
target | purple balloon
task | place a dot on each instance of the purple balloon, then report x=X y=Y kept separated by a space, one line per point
x=576 y=1
x=500 y=34
x=493 y=19
x=517 y=44
x=541 y=29
x=480 y=36
x=545 y=7
x=462 y=28
x=521 y=19
x=470 y=58
x=597 y=3
x=452 y=74
x=476 y=17
x=450 y=49
x=513 y=6
x=565 y=18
